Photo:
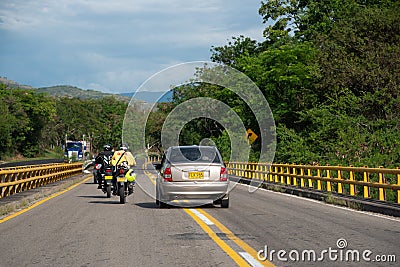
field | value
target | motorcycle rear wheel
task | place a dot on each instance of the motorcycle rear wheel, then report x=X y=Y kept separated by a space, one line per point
x=108 y=191
x=122 y=197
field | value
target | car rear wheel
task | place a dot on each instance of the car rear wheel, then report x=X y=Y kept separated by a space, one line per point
x=157 y=197
x=162 y=205
x=225 y=203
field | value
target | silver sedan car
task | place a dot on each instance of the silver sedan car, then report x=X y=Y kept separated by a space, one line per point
x=192 y=174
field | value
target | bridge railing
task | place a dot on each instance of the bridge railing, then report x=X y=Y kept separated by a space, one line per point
x=376 y=183
x=17 y=179
x=370 y=183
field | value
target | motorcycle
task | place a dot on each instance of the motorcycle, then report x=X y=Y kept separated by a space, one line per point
x=107 y=181
x=103 y=173
x=125 y=182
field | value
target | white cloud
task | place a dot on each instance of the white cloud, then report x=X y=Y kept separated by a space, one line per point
x=115 y=44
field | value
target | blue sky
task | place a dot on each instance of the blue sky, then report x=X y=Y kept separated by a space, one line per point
x=114 y=46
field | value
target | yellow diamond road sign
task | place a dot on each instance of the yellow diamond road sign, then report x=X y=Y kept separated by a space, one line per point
x=251 y=136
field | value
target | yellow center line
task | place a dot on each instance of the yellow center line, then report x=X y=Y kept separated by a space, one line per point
x=225 y=247
x=235 y=239
x=228 y=250
x=148 y=174
x=42 y=201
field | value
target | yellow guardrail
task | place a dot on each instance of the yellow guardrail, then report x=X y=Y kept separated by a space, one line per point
x=377 y=183
x=370 y=183
x=17 y=179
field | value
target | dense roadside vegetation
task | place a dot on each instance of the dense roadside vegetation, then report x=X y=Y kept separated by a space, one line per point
x=329 y=69
x=32 y=123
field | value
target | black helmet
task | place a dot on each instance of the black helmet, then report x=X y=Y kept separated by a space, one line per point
x=107 y=147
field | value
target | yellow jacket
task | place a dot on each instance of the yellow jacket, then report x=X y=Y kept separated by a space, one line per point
x=121 y=156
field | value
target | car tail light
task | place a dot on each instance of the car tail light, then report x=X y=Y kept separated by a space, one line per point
x=108 y=170
x=223 y=177
x=168 y=175
x=121 y=171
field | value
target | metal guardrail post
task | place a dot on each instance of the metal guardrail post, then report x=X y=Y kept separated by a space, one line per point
x=340 y=185
x=366 y=188
x=271 y=177
x=282 y=177
x=302 y=179
x=276 y=177
x=381 y=181
x=319 y=184
x=352 y=187
x=310 y=181
x=288 y=182
x=294 y=180
x=328 y=183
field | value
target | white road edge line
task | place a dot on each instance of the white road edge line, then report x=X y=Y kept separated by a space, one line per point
x=202 y=217
x=252 y=261
x=330 y=205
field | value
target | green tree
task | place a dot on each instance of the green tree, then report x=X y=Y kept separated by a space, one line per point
x=25 y=115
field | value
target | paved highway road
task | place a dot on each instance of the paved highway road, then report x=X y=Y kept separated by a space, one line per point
x=83 y=228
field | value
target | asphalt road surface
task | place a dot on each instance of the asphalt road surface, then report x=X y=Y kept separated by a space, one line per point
x=83 y=228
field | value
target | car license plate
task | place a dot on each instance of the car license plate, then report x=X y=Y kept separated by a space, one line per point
x=196 y=175
x=121 y=179
x=108 y=177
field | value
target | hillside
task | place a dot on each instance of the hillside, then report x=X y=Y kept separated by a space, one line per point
x=75 y=92
x=13 y=84
x=64 y=91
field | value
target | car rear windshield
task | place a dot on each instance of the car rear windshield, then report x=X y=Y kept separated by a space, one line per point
x=194 y=154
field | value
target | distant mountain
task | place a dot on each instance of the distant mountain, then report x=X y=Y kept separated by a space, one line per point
x=151 y=97
x=75 y=92
x=11 y=84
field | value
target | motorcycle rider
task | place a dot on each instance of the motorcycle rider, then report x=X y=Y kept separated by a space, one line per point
x=103 y=158
x=122 y=156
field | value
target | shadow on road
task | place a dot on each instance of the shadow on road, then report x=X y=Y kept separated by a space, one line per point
x=92 y=196
x=153 y=205
x=147 y=205
x=90 y=183
x=103 y=201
